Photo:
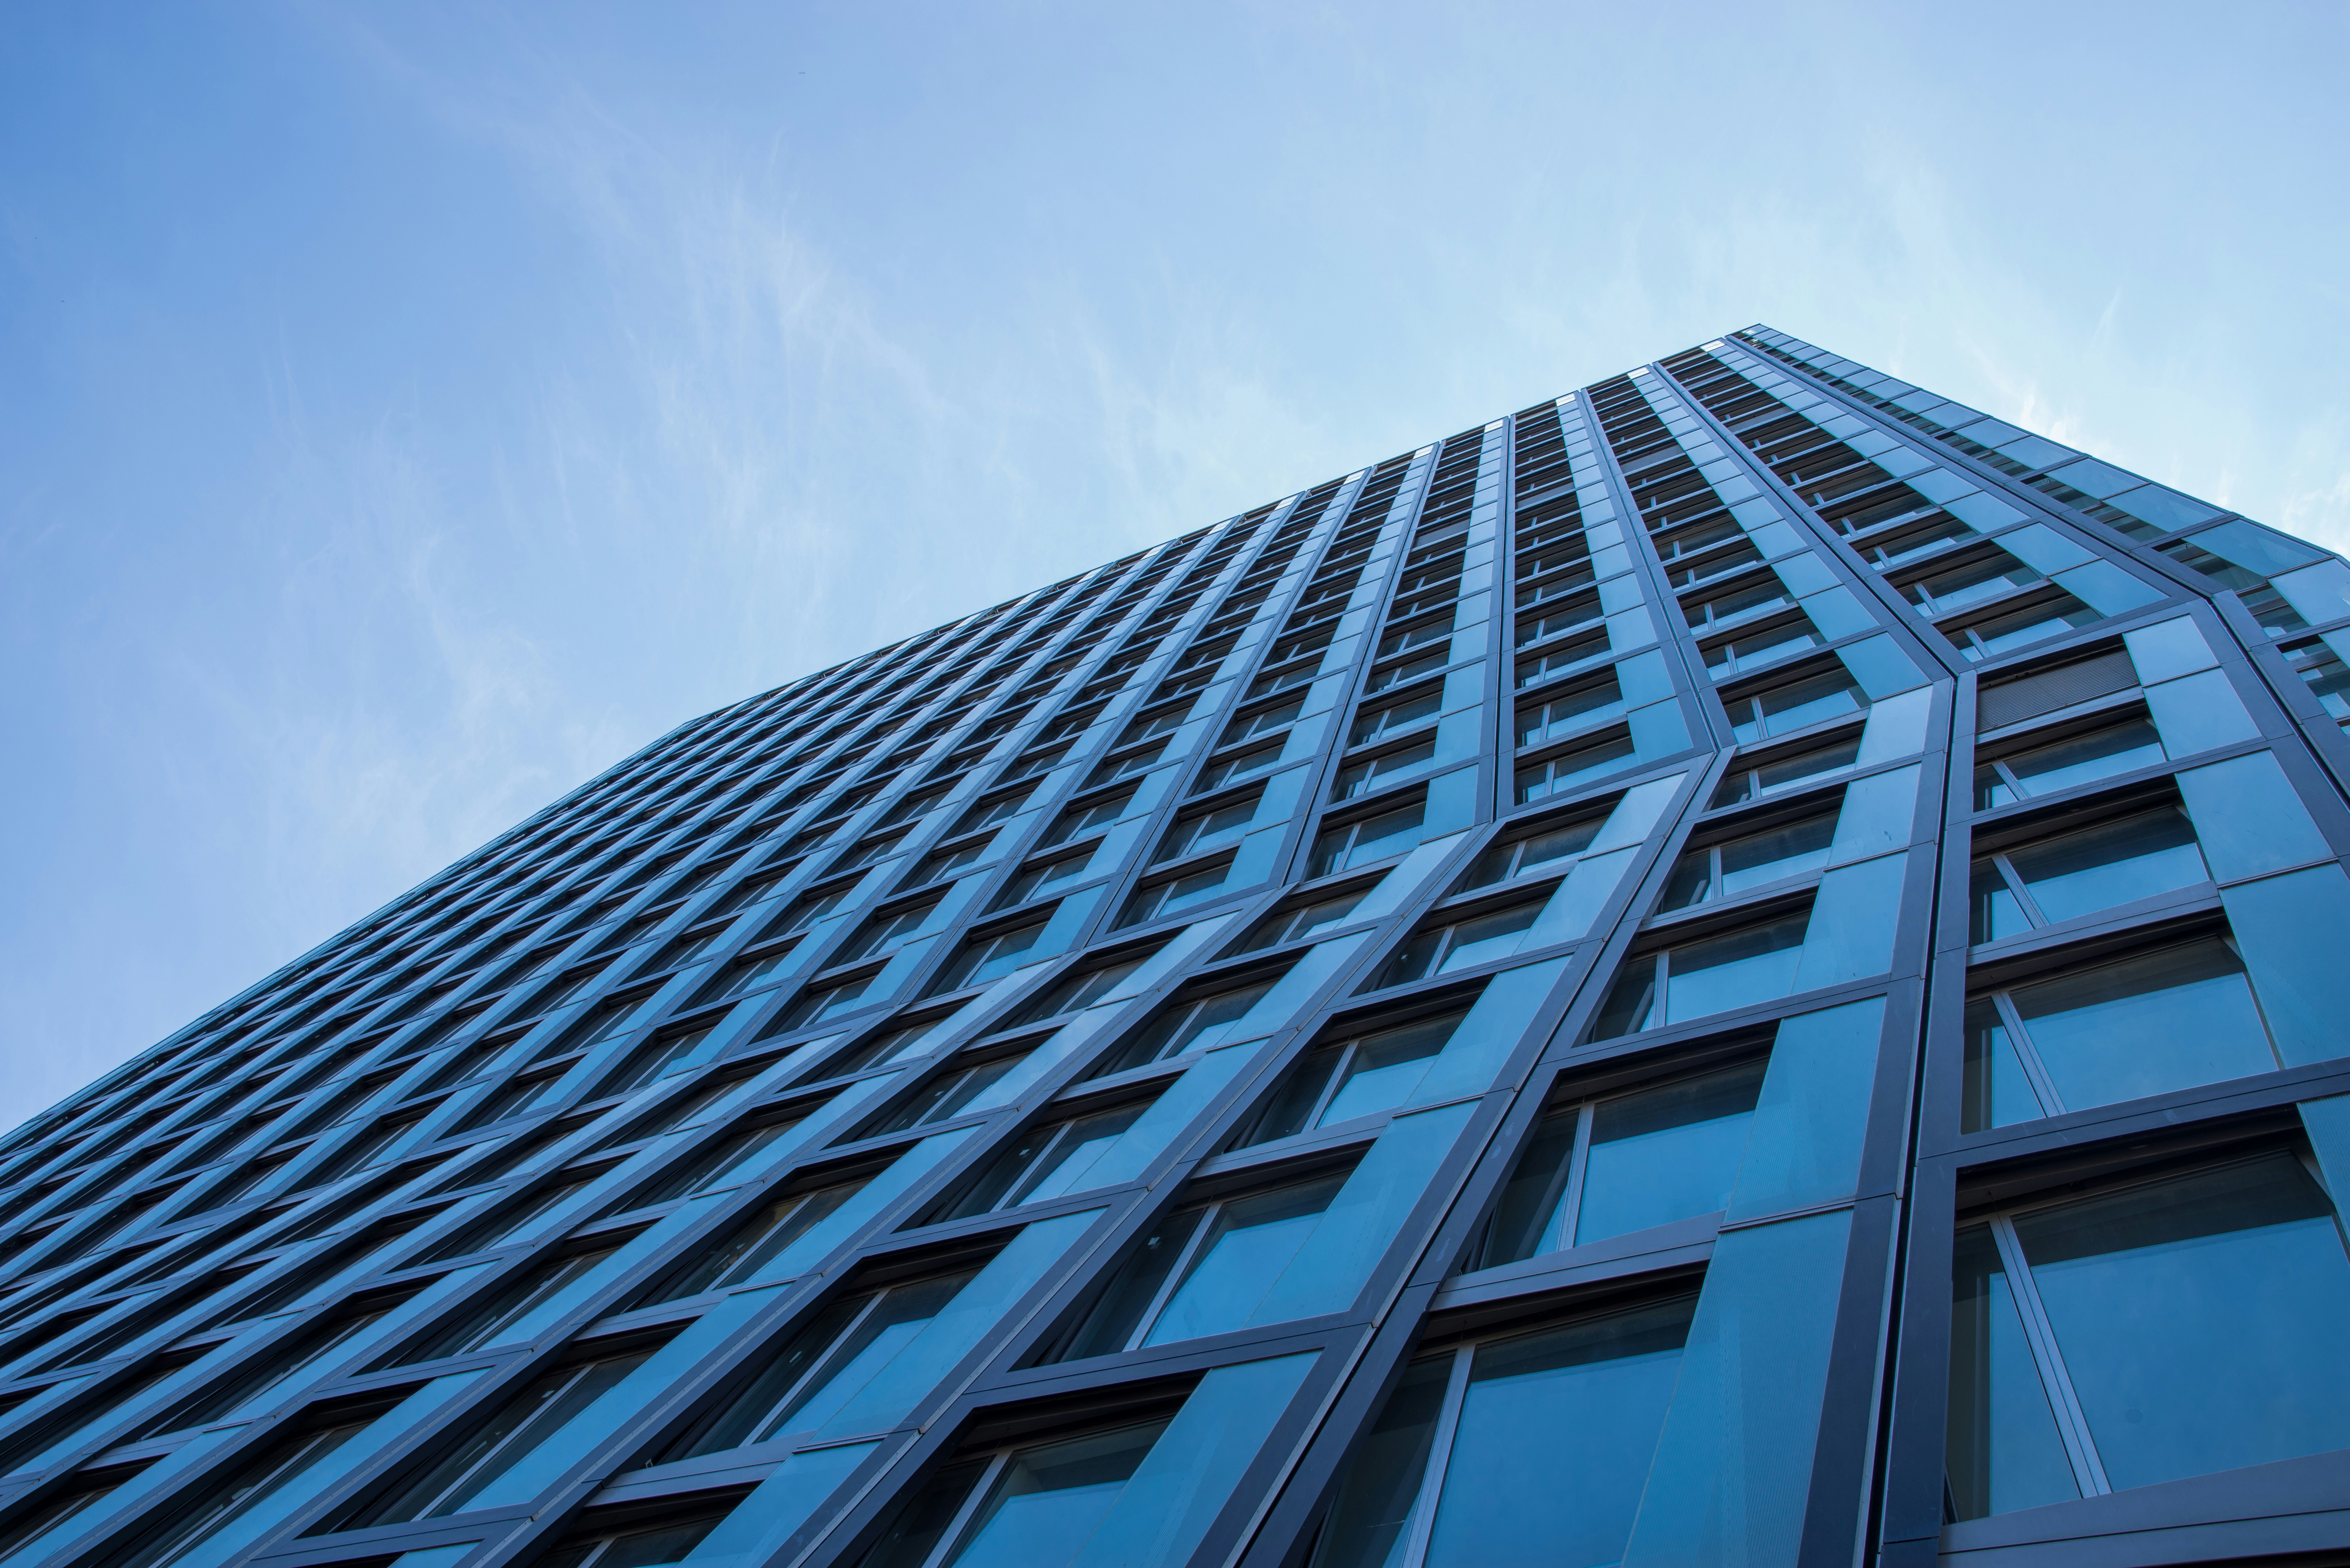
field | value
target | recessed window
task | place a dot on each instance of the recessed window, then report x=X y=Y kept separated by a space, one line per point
x=2168 y=1329
x=1611 y=1166
x=1204 y=1268
x=1367 y=839
x=2050 y=617
x=946 y=863
x=496 y=1443
x=1199 y=1023
x=1378 y=723
x=1553 y=850
x=1986 y=576
x=1239 y=765
x=1080 y=989
x=1360 y=778
x=2060 y=764
x=1410 y=670
x=1558 y=618
x=1713 y=974
x=1126 y=765
x=1703 y=611
x=1262 y=721
x=1082 y=819
x=754 y=1245
x=1556 y=774
x=1459 y=943
x=1735 y=865
x=1792 y=705
x=1043 y=1163
x=995 y=808
x=1751 y=780
x=1199 y=831
x=481 y=1323
x=1153 y=899
x=662 y=1540
x=2079 y=873
x=2146 y=1024
x=817 y=1004
x=991 y=957
x=816 y=1372
x=1355 y=1076
x=1041 y=877
x=1462 y=1464
x=957 y=1090
x=1005 y=1507
x=885 y=932
x=1294 y=925
x=1579 y=707
x=890 y=1045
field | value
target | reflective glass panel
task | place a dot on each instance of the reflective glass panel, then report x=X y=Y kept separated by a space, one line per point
x=2200 y=1319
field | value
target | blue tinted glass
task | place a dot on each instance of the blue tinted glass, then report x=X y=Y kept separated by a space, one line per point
x=1050 y=1500
x=1251 y=1241
x=1997 y=1091
x=1734 y=971
x=1666 y=1154
x=2137 y=858
x=1489 y=936
x=2097 y=754
x=2170 y=1020
x=1585 y=1402
x=2003 y=1452
x=1995 y=913
x=1375 y=1504
x=1386 y=1067
x=867 y=1349
x=1782 y=852
x=2200 y=1319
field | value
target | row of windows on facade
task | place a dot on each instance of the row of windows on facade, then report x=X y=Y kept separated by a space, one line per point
x=2148 y=851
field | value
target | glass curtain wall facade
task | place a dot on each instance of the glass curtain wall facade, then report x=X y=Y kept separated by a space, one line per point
x=1742 y=967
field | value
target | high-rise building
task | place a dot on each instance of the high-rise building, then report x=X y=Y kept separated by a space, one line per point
x=1744 y=968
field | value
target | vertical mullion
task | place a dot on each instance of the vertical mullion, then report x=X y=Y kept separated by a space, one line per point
x=1175 y=1273
x=951 y=1538
x=1329 y=1091
x=1440 y=1458
x=1570 y=1200
x=1017 y=1193
x=2072 y=1422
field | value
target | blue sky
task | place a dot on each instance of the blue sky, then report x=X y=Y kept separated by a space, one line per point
x=408 y=410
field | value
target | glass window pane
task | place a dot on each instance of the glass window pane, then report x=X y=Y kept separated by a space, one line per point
x=2166 y=1021
x=1374 y=1503
x=1734 y=971
x=1064 y=1169
x=1050 y=1500
x=1667 y=1153
x=1587 y=1401
x=2003 y=1452
x=860 y=1356
x=1248 y=1243
x=1996 y=1091
x=1529 y=1202
x=1386 y=1067
x=2200 y=1319
x=1995 y=913
x=2115 y=863
x=2081 y=758
x=1489 y=936
x=1787 y=851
